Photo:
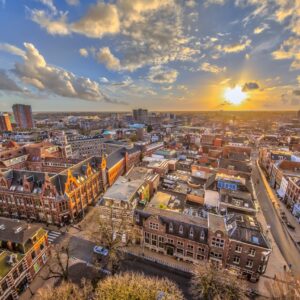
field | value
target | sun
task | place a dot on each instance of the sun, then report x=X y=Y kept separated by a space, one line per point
x=235 y=95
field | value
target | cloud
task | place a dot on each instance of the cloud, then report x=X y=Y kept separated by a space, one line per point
x=73 y=2
x=207 y=67
x=12 y=49
x=108 y=59
x=45 y=20
x=103 y=80
x=235 y=47
x=289 y=49
x=49 y=4
x=261 y=28
x=150 y=31
x=83 y=52
x=7 y=84
x=36 y=72
x=214 y=2
x=159 y=74
x=250 y=86
x=101 y=19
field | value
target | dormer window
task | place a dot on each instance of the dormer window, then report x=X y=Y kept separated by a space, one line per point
x=171 y=227
x=191 y=232
x=181 y=229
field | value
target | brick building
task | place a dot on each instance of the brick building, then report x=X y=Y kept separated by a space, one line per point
x=24 y=251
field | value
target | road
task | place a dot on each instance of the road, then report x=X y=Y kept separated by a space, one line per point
x=285 y=244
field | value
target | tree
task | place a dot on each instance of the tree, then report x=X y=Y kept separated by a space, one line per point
x=211 y=283
x=134 y=286
x=67 y=291
x=113 y=229
x=284 y=287
x=58 y=266
x=149 y=128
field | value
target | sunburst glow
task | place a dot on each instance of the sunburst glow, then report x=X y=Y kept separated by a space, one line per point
x=235 y=95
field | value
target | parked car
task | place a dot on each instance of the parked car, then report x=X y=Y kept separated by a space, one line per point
x=100 y=250
x=289 y=225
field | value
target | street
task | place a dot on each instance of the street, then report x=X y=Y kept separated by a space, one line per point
x=285 y=244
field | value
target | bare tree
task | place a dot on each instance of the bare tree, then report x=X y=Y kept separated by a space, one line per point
x=58 y=265
x=113 y=229
x=136 y=286
x=211 y=283
x=284 y=287
x=67 y=291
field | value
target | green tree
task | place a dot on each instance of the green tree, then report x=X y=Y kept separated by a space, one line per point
x=149 y=128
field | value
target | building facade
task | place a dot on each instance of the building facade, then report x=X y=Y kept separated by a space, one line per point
x=5 y=124
x=23 y=116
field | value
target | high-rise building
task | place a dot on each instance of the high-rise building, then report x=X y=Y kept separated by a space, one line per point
x=23 y=116
x=5 y=124
x=140 y=115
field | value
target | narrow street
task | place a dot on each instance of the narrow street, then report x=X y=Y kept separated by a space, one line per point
x=285 y=244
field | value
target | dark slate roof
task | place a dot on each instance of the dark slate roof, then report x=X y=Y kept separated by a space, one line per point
x=114 y=158
x=246 y=229
x=167 y=217
x=17 y=231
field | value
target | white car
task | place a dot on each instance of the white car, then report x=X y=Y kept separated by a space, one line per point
x=100 y=250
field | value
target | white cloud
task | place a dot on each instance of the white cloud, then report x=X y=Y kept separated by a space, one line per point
x=207 y=67
x=261 y=28
x=49 y=4
x=243 y=44
x=289 y=49
x=103 y=80
x=12 y=49
x=160 y=74
x=73 y=2
x=151 y=30
x=35 y=71
x=105 y=56
x=83 y=52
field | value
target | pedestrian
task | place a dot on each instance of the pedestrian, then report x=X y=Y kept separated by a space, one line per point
x=284 y=268
x=290 y=266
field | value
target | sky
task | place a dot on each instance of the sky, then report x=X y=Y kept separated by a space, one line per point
x=163 y=55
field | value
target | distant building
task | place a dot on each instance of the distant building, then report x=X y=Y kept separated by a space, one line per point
x=5 y=124
x=23 y=116
x=140 y=115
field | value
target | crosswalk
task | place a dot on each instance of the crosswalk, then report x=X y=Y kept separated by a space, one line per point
x=53 y=235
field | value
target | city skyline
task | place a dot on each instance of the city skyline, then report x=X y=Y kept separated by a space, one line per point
x=162 y=55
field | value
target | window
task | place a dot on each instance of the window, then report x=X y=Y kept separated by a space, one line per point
x=181 y=229
x=42 y=246
x=147 y=237
x=216 y=242
x=154 y=239
x=201 y=249
x=21 y=269
x=170 y=241
x=189 y=254
x=180 y=251
x=161 y=241
x=15 y=274
x=191 y=232
x=180 y=243
x=171 y=227
x=252 y=252
x=236 y=260
x=153 y=226
x=216 y=255
x=190 y=247
x=238 y=249
x=202 y=235
x=33 y=254
x=200 y=257
x=249 y=263
x=4 y=286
